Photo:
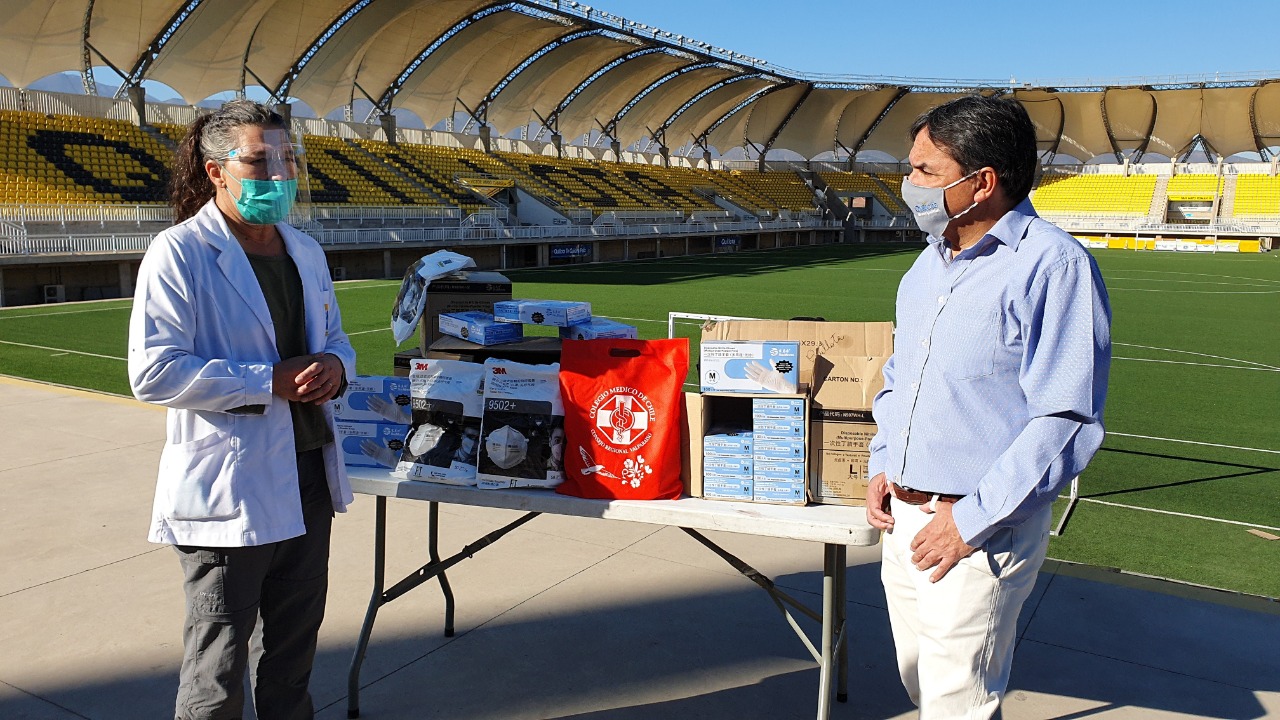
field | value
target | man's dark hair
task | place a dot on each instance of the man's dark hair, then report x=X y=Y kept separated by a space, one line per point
x=978 y=132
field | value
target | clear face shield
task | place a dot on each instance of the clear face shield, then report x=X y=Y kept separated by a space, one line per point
x=268 y=177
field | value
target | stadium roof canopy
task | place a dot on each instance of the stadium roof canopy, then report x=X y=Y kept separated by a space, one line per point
x=574 y=69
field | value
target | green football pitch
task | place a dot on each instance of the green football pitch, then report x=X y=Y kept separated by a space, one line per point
x=1192 y=457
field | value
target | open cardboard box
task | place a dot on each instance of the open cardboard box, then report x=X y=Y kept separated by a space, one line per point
x=841 y=362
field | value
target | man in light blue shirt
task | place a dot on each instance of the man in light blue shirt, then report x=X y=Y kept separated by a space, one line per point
x=992 y=402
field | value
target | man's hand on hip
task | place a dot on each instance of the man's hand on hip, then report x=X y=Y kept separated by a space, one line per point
x=938 y=544
x=878 y=503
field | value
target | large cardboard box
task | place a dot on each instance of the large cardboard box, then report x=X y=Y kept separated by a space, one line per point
x=817 y=339
x=842 y=362
x=463 y=291
x=713 y=413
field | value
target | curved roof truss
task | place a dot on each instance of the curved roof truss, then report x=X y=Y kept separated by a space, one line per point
x=577 y=68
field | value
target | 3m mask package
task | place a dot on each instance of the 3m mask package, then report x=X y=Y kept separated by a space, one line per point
x=522 y=426
x=443 y=442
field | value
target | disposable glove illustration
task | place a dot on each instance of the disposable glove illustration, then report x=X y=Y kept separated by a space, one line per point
x=768 y=378
x=380 y=453
x=391 y=412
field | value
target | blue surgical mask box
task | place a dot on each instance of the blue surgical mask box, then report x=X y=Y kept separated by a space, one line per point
x=367 y=392
x=480 y=328
x=560 y=313
x=785 y=429
x=367 y=444
x=749 y=366
x=728 y=466
x=764 y=408
x=463 y=291
x=727 y=445
x=774 y=449
x=727 y=487
x=598 y=328
x=784 y=492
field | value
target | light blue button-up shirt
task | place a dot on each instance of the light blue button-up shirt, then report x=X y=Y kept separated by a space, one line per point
x=999 y=373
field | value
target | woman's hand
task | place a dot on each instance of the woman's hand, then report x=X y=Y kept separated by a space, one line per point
x=308 y=378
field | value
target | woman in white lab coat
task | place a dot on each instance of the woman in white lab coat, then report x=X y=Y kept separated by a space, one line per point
x=235 y=328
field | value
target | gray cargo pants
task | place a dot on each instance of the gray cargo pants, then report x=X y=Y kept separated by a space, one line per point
x=228 y=589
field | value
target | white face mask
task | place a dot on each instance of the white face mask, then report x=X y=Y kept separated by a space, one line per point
x=426 y=437
x=929 y=205
x=506 y=447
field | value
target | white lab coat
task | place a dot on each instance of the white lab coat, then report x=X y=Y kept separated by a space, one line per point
x=201 y=343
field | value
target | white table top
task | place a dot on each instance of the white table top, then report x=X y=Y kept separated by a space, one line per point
x=834 y=524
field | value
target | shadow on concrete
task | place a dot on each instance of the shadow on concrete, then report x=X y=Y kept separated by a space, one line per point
x=729 y=656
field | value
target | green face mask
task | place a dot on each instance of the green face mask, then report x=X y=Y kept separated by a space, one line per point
x=265 y=202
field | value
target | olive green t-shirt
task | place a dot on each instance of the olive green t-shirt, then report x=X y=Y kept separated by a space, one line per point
x=282 y=287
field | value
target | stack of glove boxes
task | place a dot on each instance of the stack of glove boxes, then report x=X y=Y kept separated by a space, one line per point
x=505 y=324
x=372 y=419
x=754 y=422
x=837 y=376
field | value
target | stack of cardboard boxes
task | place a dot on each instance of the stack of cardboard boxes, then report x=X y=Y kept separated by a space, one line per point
x=814 y=443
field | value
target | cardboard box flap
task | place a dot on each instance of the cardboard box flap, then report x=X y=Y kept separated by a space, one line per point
x=816 y=338
x=847 y=382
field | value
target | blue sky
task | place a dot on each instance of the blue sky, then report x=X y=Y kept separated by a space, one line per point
x=982 y=39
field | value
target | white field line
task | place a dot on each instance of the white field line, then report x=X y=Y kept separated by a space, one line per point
x=1178 y=514
x=1194 y=442
x=1258 y=283
x=64 y=312
x=1196 y=364
x=1208 y=275
x=1198 y=292
x=62 y=351
x=1188 y=352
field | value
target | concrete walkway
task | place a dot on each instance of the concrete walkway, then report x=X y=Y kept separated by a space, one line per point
x=567 y=618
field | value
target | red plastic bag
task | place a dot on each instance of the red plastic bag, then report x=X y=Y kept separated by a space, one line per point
x=622 y=416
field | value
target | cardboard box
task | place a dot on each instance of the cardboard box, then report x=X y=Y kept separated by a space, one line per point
x=357 y=439
x=842 y=362
x=599 y=328
x=479 y=328
x=726 y=478
x=727 y=365
x=364 y=392
x=464 y=291
x=816 y=339
x=562 y=313
x=839 y=440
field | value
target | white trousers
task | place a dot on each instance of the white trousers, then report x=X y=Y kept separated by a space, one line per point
x=955 y=638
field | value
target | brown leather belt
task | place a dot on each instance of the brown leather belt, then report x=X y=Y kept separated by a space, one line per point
x=918 y=497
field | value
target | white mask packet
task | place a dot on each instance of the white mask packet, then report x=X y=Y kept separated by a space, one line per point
x=522 y=419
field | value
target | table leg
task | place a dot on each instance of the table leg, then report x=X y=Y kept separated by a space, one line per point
x=842 y=626
x=375 y=601
x=433 y=548
x=829 y=573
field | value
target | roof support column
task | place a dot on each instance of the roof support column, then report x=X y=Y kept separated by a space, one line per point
x=138 y=99
x=388 y=123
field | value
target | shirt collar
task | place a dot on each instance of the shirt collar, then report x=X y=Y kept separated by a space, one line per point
x=1009 y=229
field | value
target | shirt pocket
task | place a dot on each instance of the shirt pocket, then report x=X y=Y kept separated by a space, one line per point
x=200 y=479
x=965 y=343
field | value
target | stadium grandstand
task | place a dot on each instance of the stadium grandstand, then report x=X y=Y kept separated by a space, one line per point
x=544 y=132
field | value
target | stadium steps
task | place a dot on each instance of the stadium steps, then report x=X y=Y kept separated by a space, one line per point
x=1159 y=200
x=827 y=199
x=1227 y=203
x=159 y=136
x=728 y=202
x=890 y=193
x=391 y=168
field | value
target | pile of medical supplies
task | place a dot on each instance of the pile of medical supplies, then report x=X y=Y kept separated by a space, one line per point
x=782 y=414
